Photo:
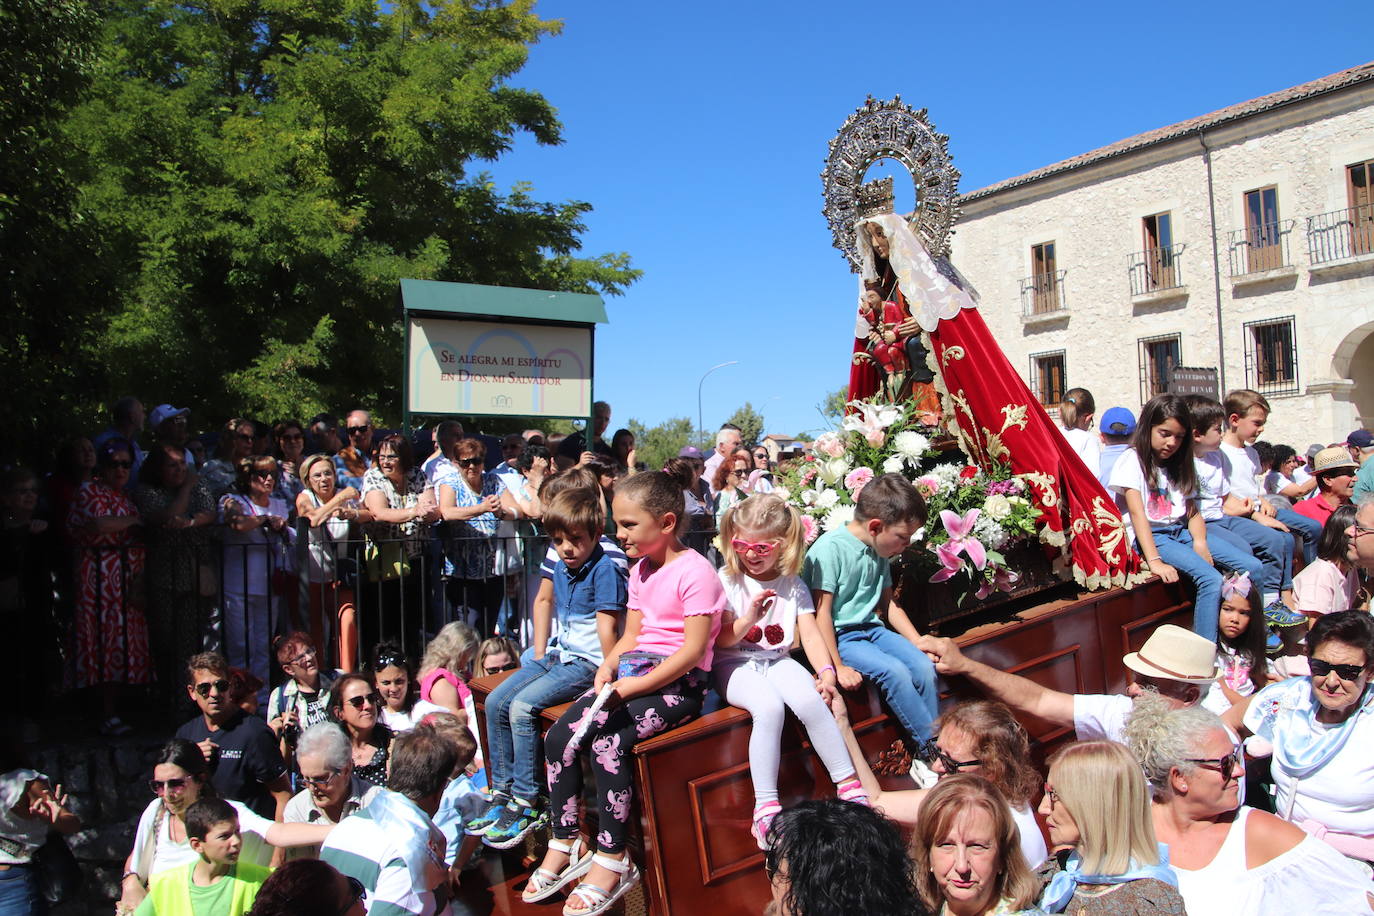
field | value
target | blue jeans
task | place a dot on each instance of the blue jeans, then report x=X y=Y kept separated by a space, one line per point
x=513 y=717
x=903 y=673
x=1271 y=547
x=1175 y=547
x=1309 y=529
x=19 y=892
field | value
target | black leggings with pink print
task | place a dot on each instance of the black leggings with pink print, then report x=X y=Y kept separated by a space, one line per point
x=607 y=745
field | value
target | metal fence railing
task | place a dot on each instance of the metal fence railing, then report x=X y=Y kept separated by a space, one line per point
x=1258 y=248
x=1155 y=269
x=1340 y=234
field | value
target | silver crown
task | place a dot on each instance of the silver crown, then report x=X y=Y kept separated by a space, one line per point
x=874 y=197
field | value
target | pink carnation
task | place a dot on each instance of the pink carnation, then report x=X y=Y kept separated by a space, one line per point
x=927 y=486
x=809 y=528
x=856 y=479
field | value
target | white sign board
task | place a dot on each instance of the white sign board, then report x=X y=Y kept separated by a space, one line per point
x=458 y=366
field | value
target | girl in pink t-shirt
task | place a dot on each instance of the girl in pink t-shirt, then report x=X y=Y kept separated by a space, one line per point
x=657 y=673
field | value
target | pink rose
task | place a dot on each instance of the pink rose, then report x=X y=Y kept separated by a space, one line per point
x=829 y=444
x=875 y=437
x=856 y=479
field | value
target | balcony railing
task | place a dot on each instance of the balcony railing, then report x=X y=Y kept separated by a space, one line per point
x=1155 y=269
x=1340 y=234
x=1258 y=248
x=1043 y=294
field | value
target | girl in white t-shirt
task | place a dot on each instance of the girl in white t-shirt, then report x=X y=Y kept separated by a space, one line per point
x=1076 y=413
x=1156 y=485
x=763 y=543
x=1240 y=645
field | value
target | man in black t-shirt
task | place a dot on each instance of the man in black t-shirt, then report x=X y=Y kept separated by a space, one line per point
x=245 y=764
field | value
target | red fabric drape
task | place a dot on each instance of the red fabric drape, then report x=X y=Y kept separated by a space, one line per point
x=996 y=417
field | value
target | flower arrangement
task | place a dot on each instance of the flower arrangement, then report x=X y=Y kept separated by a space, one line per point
x=974 y=513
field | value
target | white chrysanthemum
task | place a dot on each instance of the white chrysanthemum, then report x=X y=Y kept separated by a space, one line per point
x=827 y=499
x=997 y=507
x=992 y=535
x=838 y=517
x=910 y=444
x=947 y=474
x=893 y=464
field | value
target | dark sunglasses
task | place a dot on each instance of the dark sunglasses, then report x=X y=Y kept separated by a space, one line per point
x=244 y=437
x=357 y=430
x=387 y=660
x=204 y=687
x=264 y=474
x=1344 y=672
x=470 y=462
x=356 y=892
x=511 y=667
x=372 y=699
x=761 y=455
x=1228 y=766
x=932 y=752
x=121 y=464
x=167 y=785
x=293 y=437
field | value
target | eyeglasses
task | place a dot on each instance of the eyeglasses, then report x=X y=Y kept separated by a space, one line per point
x=311 y=782
x=244 y=437
x=220 y=686
x=470 y=462
x=763 y=455
x=1228 y=766
x=167 y=785
x=304 y=657
x=356 y=892
x=264 y=474
x=511 y=667
x=761 y=549
x=1359 y=529
x=739 y=472
x=1052 y=795
x=389 y=456
x=358 y=430
x=293 y=437
x=387 y=660
x=1322 y=668
x=932 y=752
x=372 y=699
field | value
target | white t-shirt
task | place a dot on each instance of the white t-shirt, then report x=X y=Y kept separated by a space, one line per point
x=1101 y=716
x=168 y=854
x=1165 y=504
x=1032 y=840
x=1087 y=445
x=1245 y=465
x=1235 y=671
x=793 y=598
x=1213 y=484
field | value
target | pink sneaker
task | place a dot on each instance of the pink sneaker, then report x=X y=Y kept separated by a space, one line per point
x=851 y=790
x=763 y=819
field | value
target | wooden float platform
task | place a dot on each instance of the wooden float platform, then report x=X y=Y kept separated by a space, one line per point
x=694 y=797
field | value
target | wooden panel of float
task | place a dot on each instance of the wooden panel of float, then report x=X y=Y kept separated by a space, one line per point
x=695 y=800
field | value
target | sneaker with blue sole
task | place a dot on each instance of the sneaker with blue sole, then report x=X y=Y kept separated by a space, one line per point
x=1278 y=614
x=483 y=822
x=1272 y=642
x=517 y=821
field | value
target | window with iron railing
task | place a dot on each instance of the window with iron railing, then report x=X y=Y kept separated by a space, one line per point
x=1047 y=377
x=1260 y=248
x=1271 y=356
x=1158 y=357
x=1043 y=294
x=1155 y=269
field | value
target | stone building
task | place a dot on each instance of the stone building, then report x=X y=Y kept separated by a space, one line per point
x=1240 y=242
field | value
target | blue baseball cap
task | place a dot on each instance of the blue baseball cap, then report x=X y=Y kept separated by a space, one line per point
x=1360 y=438
x=1117 y=421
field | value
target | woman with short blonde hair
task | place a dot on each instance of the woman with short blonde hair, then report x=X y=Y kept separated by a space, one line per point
x=1097 y=805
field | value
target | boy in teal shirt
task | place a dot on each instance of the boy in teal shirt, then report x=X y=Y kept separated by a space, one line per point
x=850 y=578
x=215 y=885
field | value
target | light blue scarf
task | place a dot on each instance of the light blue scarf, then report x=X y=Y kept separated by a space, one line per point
x=1061 y=888
x=1287 y=713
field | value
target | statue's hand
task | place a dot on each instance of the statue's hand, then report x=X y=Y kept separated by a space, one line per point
x=908 y=327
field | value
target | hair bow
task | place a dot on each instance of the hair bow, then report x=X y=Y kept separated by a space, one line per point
x=1238 y=584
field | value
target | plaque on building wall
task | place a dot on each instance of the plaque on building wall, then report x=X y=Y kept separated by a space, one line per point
x=1194 y=380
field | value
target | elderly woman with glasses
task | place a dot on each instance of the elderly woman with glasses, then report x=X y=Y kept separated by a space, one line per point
x=731 y=482
x=111 y=631
x=181 y=776
x=356 y=706
x=1230 y=858
x=259 y=564
x=333 y=790
x=473 y=501
x=973 y=736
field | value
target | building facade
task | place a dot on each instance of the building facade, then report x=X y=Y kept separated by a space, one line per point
x=1240 y=242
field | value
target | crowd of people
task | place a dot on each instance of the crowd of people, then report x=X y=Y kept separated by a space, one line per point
x=1237 y=774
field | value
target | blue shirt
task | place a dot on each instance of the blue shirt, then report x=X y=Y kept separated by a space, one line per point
x=578 y=594
x=1109 y=455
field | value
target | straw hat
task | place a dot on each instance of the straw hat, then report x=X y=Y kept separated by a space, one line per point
x=1175 y=654
x=1333 y=459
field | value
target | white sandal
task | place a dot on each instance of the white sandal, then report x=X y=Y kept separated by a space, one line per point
x=543 y=884
x=598 y=901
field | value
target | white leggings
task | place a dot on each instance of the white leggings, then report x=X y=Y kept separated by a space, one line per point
x=766 y=689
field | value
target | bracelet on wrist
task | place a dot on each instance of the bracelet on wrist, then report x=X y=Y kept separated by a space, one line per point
x=830 y=668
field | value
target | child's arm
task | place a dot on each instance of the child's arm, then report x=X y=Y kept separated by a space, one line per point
x=543 y=617
x=733 y=629
x=846 y=676
x=1197 y=527
x=634 y=622
x=696 y=632
x=1234 y=505
x=817 y=654
x=1145 y=537
x=607 y=622
x=897 y=618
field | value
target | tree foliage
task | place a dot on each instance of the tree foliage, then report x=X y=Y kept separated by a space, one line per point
x=654 y=445
x=750 y=423
x=260 y=175
x=831 y=407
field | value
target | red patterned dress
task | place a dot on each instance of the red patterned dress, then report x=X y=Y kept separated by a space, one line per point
x=111 y=632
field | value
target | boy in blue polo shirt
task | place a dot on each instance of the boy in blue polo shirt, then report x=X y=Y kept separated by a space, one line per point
x=850 y=577
x=589 y=592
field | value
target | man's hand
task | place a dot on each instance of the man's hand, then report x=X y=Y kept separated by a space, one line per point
x=207 y=747
x=944 y=652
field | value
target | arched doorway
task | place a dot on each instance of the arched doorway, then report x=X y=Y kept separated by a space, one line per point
x=1354 y=360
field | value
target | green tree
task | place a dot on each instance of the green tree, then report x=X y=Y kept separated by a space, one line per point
x=261 y=175
x=831 y=407
x=750 y=423
x=654 y=445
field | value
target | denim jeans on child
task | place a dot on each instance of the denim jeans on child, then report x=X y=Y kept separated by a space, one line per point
x=903 y=673
x=513 y=717
x=1308 y=528
x=1175 y=546
x=1271 y=547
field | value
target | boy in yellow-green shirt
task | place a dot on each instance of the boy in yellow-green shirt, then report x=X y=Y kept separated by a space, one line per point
x=215 y=885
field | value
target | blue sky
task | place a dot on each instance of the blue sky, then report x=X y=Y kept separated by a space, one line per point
x=698 y=132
